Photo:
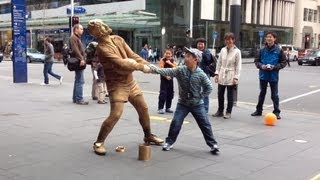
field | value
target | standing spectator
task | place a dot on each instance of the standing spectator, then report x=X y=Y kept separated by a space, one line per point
x=227 y=74
x=144 y=52
x=77 y=51
x=269 y=61
x=194 y=84
x=150 y=54
x=65 y=53
x=91 y=55
x=101 y=87
x=287 y=54
x=166 y=84
x=207 y=59
x=48 y=62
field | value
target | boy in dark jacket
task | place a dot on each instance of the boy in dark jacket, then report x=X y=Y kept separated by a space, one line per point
x=101 y=87
x=269 y=61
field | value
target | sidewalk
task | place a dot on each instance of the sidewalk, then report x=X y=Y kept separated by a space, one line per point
x=45 y=136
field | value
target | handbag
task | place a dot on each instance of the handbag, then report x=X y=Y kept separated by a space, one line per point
x=73 y=64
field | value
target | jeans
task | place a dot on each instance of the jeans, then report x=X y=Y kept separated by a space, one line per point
x=78 y=86
x=221 y=90
x=274 y=95
x=201 y=117
x=47 y=69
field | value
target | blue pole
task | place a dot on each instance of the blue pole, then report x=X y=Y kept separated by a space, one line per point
x=19 y=45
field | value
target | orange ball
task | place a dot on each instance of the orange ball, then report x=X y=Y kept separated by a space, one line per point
x=270 y=119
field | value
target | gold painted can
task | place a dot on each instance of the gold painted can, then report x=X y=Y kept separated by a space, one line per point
x=144 y=152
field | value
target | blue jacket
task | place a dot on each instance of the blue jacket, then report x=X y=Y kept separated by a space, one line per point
x=275 y=57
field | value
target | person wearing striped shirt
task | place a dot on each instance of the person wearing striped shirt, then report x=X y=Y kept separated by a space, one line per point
x=194 y=85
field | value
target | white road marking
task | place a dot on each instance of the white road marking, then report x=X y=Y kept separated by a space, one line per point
x=317 y=177
x=297 y=97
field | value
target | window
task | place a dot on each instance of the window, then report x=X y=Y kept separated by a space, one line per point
x=310 y=15
x=315 y=16
x=305 y=14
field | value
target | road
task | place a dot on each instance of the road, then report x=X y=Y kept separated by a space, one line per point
x=299 y=86
x=44 y=135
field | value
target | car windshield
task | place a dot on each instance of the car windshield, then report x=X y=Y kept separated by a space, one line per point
x=33 y=51
x=314 y=53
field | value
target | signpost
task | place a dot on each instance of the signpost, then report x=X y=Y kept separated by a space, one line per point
x=214 y=36
x=261 y=34
x=19 y=55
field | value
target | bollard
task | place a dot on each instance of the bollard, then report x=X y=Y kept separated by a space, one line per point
x=144 y=152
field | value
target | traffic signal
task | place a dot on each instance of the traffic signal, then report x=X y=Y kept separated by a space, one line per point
x=75 y=20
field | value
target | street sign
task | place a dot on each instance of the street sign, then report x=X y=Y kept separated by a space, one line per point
x=215 y=35
x=77 y=10
x=261 y=34
x=18 y=24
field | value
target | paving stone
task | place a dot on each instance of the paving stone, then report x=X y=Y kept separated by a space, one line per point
x=237 y=167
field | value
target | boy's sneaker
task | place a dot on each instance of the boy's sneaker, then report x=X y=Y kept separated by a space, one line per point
x=160 y=111
x=168 y=110
x=167 y=147
x=215 y=149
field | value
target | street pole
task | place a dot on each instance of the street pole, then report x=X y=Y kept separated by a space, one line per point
x=72 y=14
x=235 y=26
x=191 y=19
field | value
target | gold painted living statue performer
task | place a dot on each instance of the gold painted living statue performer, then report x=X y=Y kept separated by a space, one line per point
x=119 y=61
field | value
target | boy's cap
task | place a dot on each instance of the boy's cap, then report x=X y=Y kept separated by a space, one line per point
x=195 y=52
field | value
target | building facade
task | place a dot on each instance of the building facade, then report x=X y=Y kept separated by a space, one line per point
x=307 y=24
x=156 y=22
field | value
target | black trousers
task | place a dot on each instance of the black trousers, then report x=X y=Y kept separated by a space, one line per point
x=166 y=93
x=274 y=95
x=221 y=90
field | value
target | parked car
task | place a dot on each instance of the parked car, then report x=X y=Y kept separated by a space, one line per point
x=247 y=52
x=33 y=55
x=312 y=58
x=293 y=52
x=303 y=52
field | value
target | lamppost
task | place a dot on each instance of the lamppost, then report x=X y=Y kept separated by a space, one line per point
x=163 y=33
x=235 y=26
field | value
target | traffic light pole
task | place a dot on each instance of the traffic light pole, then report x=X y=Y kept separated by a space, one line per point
x=72 y=14
x=235 y=26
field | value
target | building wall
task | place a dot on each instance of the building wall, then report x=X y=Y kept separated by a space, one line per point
x=306 y=31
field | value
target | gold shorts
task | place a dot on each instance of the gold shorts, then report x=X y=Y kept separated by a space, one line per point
x=120 y=92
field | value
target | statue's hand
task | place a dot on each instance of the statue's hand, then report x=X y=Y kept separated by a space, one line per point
x=132 y=60
x=146 y=69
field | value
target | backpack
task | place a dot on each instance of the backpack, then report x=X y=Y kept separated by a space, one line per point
x=212 y=66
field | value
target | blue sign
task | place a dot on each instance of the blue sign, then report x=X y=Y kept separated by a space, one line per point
x=18 y=22
x=77 y=10
x=261 y=33
x=215 y=35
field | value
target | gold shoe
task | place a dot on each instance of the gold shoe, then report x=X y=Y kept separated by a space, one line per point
x=153 y=139
x=99 y=149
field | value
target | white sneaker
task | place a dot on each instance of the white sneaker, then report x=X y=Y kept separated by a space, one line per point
x=161 y=111
x=61 y=78
x=167 y=147
x=43 y=84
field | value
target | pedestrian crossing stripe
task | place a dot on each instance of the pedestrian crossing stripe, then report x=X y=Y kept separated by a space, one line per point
x=159 y=118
